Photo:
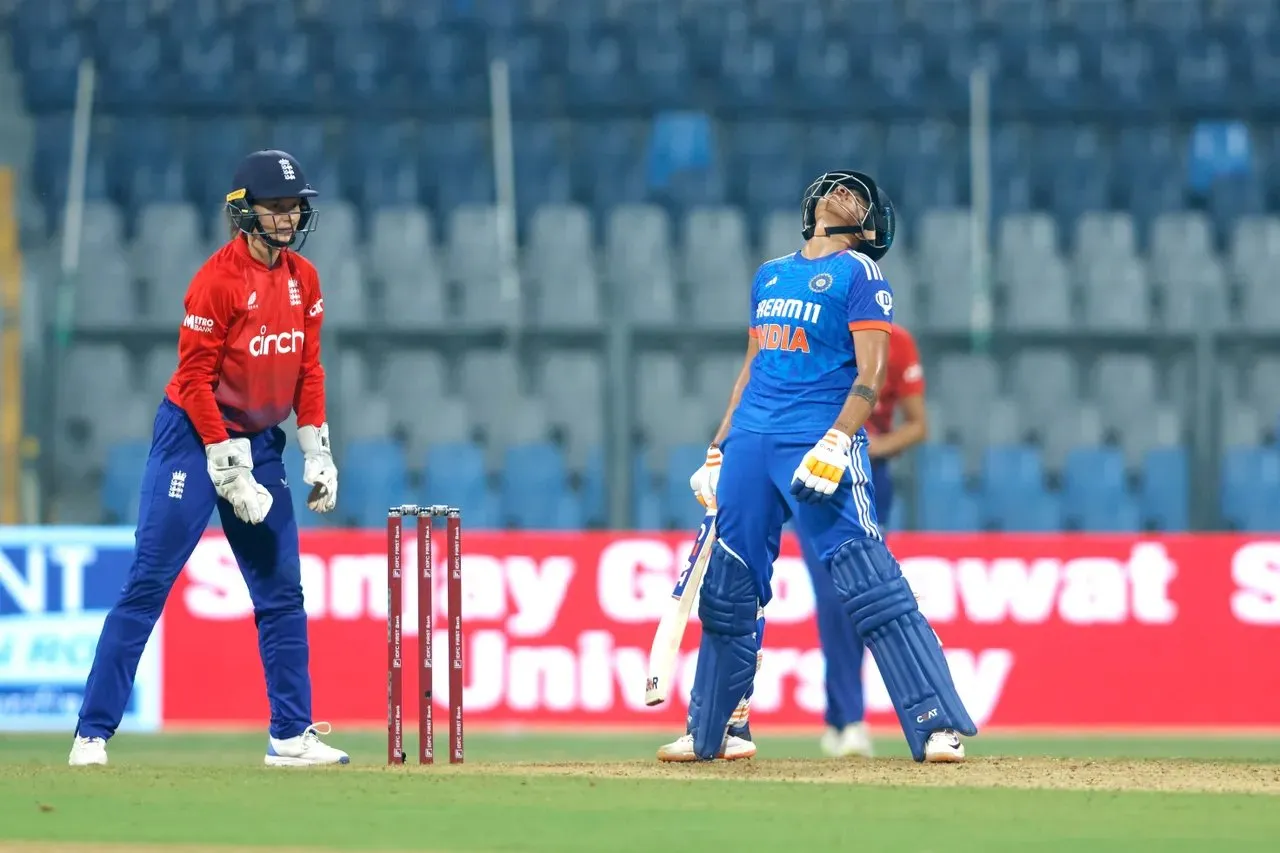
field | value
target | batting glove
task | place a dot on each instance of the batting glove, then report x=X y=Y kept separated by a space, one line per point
x=707 y=478
x=318 y=468
x=230 y=465
x=822 y=468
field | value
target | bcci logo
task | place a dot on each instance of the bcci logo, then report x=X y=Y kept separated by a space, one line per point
x=820 y=283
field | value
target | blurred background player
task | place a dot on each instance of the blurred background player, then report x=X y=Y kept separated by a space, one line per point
x=817 y=355
x=248 y=353
x=846 y=733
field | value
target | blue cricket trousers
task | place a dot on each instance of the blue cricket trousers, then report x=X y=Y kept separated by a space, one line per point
x=177 y=501
x=841 y=647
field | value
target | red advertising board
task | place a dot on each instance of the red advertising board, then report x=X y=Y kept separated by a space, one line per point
x=1039 y=630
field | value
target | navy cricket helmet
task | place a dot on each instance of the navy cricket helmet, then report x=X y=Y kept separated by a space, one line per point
x=264 y=175
x=880 y=216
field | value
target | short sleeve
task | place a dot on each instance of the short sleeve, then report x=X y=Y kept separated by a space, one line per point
x=870 y=297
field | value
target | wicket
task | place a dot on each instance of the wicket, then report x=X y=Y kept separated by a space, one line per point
x=395 y=663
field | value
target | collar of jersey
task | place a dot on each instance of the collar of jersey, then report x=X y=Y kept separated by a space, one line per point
x=802 y=259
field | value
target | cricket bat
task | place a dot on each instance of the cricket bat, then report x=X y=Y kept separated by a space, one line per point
x=666 y=641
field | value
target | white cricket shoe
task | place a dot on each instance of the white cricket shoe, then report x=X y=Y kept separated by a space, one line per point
x=88 y=750
x=943 y=747
x=681 y=749
x=848 y=742
x=305 y=750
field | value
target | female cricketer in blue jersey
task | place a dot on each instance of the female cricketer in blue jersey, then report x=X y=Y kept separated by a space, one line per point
x=792 y=446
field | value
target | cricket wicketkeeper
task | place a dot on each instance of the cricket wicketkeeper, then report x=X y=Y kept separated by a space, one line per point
x=248 y=354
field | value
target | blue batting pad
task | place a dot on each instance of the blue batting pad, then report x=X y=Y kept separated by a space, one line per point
x=728 y=609
x=878 y=599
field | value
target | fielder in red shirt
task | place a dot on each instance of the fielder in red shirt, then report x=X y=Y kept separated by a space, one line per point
x=248 y=355
x=903 y=390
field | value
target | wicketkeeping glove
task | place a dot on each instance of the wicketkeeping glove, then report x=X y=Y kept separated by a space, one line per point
x=318 y=468
x=822 y=468
x=707 y=478
x=230 y=465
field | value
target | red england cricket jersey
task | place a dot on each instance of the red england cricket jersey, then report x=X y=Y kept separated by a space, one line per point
x=249 y=346
x=903 y=378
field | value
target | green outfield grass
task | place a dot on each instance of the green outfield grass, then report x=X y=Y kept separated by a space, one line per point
x=604 y=793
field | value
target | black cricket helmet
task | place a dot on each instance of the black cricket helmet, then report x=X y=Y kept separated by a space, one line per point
x=270 y=174
x=880 y=215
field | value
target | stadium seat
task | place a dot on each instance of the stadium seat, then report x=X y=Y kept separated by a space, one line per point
x=1165 y=492
x=943 y=500
x=122 y=476
x=534 y=489
x=1095 y=494
x=1013 y=489
x=374 y=476
x=1250 y=478
x=456 y=474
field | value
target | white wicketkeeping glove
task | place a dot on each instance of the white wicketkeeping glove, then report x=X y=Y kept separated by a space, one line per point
x=705 y=480
x=318 y=468
x=822 y=468
x=230 y=466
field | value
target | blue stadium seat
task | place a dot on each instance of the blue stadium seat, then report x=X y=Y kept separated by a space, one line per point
x=1013 y=490
x=1202 y=75
x=943 y=500
x=1250 y=478
x=1055 y=73
x=534 y=488
x=664 y=74
x=380 y=166
x=1165 y=489
x=678 y=142
x=281 y=70
x=50 y=62
x=135 y=79
x=447 y=69
x=455 y=474
x=596 y=67
x=897 y=75
x=374 y=476
x=122 y=474
x=1095 y=494
x=208 y=76
x=824 y=66
x=360 y=84
x=647 y=500
x=49 y=162
x=215 y=149
x=1218 y=149
x=1127 y=66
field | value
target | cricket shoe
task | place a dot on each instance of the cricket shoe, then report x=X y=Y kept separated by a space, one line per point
x=305 y=750
x=681 y=749
x=848 y=742
x=86 y=751
x=944 y=747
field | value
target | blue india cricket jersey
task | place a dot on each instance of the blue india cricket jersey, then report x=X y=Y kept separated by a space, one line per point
x=802 y=313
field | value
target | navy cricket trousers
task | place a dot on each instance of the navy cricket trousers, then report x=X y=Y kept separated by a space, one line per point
x=177 y=500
